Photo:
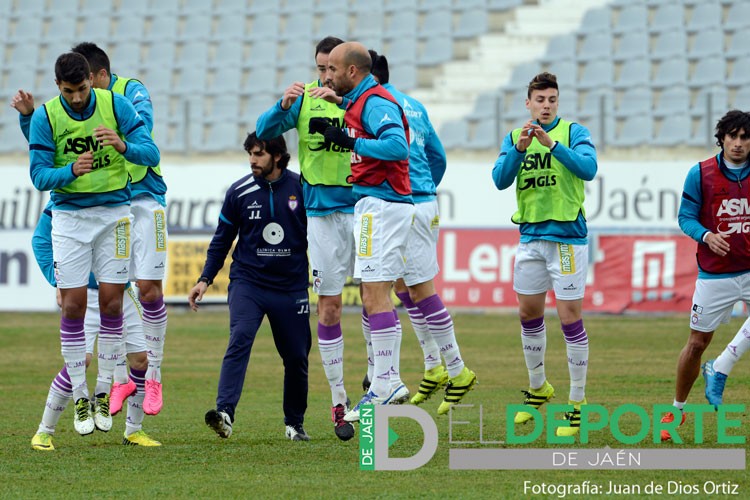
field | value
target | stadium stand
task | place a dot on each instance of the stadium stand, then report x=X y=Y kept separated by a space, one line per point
x=626 y=66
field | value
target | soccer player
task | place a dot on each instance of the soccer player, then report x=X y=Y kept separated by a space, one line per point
x=147 y=206
x=60 y=392
x=723 y=257
x=377 y=136
x=549 y=159
x=329 y=203
x=268 y=277
x=432 y=323
x=79 y=143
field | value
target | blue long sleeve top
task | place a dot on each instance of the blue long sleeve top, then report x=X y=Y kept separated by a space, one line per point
x=427 y=160
x=579 y=158
x=270 y=220
x=152 y=185
x=320 y=200
x=381 y=119
x=140 y=149
x=688 y=216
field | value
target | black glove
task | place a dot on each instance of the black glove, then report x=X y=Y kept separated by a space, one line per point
x=318 y=125
x=340 y=138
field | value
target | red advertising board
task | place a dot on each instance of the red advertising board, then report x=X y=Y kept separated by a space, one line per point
x=635 y=273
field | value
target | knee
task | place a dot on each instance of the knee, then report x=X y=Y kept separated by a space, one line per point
x=697 y=344
x=149 y=290
x=329 y=311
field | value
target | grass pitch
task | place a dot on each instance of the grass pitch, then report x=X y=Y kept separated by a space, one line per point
x=632 y=360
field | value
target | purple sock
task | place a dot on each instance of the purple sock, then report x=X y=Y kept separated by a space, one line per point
x=331 y=332
x=139 y=378
x=575 y=333
x=405 y=299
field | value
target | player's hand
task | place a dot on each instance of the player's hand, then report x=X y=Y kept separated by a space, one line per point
x=718 y=243
x=325 y=93
x=23 y=102
x=541 y=136
x=196 y=295
x=318 y=125
x=84 y=164
x=291 y=94
x=526 y=136
x=339 y=137
x=108 y=137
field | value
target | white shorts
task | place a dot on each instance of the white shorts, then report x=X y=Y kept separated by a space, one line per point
x=421 y=248
x=713 y=301
x=544 y=265
x=381 y=230
x=331 y=248
x=95 y=239
x=149 y=260
x=132 y=321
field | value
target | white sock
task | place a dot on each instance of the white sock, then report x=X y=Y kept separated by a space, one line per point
x=332 y=355
x=383 y=328
x=134 y=420
x=121 y=368
x=368 y=342
x=534 y=342
x=58 y=398
x=430 y=349
x=734 y=350
x=396 y=360
x=155 y=332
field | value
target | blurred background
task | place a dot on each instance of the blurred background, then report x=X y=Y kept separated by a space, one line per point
x=649 y=78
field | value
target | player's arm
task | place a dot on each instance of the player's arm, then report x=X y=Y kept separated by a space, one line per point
x=23 y=102
x=138 y=95
x=277 y=120
x=44 y=175
x=382 y=119
x=41 y=244
x=580 y=157
x=688 y=216
x=139 y=147
x=507 y=164
x=436 y=158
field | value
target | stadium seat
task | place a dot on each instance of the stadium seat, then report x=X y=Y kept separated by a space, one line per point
x=635 y=131
x=162 y=29
x=29 y=9
x=196 y=7
x=61 y=35
x=741 y=98
x=427 y=6
x=291 y=6
x=502 y=5
x=403 y=24
x=367 y=24
x=738 y=17
x=454 y=134
x=706 y=15
x=190 y=80
x=470 y=5
x=669 y=73
x=594 y=47
x=132 y=6
x=128 y=28
x=297 y=26
x=560 y=48
x=230 y=27
x=709 y=71
x=668 y=17
x=403 y=76
x=710 y=102
x=738 y=46
x=390 y=6
x=634 y=101
x=331 y=23
x=436 y=50
x=224 y=107
x=26 y=54
x=708 y=43
x=297 y=52
x=22 y=77
x=161 y=54
x=228 y=53
x=193 y=53
x=255 y=106
x=487 y=105
x=126 y=55
x=595 y=103
x=402 y=50
x=262 y=79
x=99 y=8
x=632 y=45
x=668 y=45
x=740 y=74
x=324 y=5
x=634 y=72
x=632 y=18
x=437 y=22
x=94 y=28
x=264 y=27
x=524 y=72
x=27 y=29
x=161 y=8
x=220 y=137
x=565 y=71
x=675 y=130
x=226 y=78
x=596 y=74
x=596 y=20
x=672 y=101
x=157 y=78
x=263 y=53
x=513 y=106
x=485 y=135
x=233 y=7
x=195 y=28
x=375 y=9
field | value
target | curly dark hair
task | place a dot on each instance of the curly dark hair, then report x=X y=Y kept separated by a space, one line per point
x=732 y=122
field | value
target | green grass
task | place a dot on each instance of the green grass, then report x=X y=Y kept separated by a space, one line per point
x=633 y=360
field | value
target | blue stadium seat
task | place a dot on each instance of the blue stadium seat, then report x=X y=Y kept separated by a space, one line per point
x=403 y=24
x=390 y=6
x=560 y=48
x=741 y=99
x=596 y=74
x=436 y=50
x=502 y=5
x=565 y=71
x=668 y=45
x=668 y=17
x=454 y=134
x=157 y=78
x=437 y=22
x=710 y=71
x=227 y=78
x=263 y=52
x=367 y=24
x=29 y=9
x=231 y=27
x=427 y=6
x=470 y=5
x=513 y=106
x=161 y=54
x=297 y=26
x=195 y=28
x=193 y=53
x=740 y=74
x=632 y=45
x=100 y=8
x=332 y=23
x=27 y=29
x=196 y=7
x=128 y=28
x=262 y=79
x=632 y=18
x=596 y=20
x=707 y=43
x=710 y=102
x=634 y=101
x=594 y=47
x=291 y=6
x=471 y=23
x=402 y=50
x=675 y=130
x=190 y=80
x=486 y=105
x=634 y=72
x=264 y=27
x=738 y=46
x=673 y=100
x=738 y=17
x=162 y=29
x=234 y=7
x=26 y=54
x=297 y=52
x=635 y=131
x=94 y=28
x=669 y=73
x=705 y=16
x=403 y=76
x=126 y=56
x=161 y=8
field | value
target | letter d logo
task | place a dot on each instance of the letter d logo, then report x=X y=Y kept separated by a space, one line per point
x=381 y=437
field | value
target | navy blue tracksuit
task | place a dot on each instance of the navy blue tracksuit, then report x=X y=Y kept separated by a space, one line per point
x=268 y=277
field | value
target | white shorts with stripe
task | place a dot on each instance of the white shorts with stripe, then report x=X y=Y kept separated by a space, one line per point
x=713 y=301
x=421 y=248
x=543 y=265
x=331 y=248
x=132 y=321
x=95 y=239
x=381 y=230
x=150 y=234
